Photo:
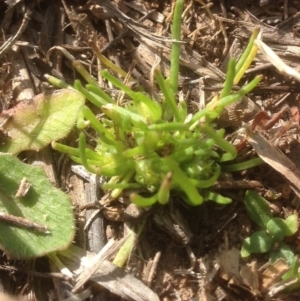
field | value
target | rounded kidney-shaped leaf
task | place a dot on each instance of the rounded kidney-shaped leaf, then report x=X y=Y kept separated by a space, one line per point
x=245 y=251
x=34 y=124
x=291 y=224
x=42 y=204
x=257 y=208
x=277 y=228
x=285 y=252
x=261 y=242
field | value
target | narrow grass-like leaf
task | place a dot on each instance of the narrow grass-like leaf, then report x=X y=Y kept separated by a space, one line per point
x=243 y=165
x=109 y=64
x=170 y=102
x=230 y=149
x=72 y=151
x=239 y=69
x=168 y=126
x=84 y=73
x=184 y=183
x=122 y=179
x=93 y=98
x=143 y=201
x=118 y=114
x=176 y=46
x=209 y=182
x=96 y=90
x=58 y=82
x=229 y=79
x=83 y=157
x=94 y=122
x=218 y=198
x=126 y=249
x=143 y=105
x=163 y=193
x=214 y=110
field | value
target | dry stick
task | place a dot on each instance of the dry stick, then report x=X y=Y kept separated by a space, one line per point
x=59 y=40
x=226 y=40
x=110 y=248
x=151 y=273
x=110 y=39
x=96 y=231
x=114 y=41
x=23 y=222
x=136 y=28
x=123 y=34
x=285 y=9
x=11 y=41
x=223 y=8
x=11 y=269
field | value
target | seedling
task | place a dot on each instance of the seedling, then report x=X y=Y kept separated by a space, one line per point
x=155 y=146
x=273 y=230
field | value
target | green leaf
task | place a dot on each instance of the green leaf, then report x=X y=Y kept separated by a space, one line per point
x=185 y=183
x=36 y=123
x=246 y=251
x=42 y=204
x=277 y=228
x=293 y=271
x=146 y=107
x=292 y=224
x=217 y=198
x=285 y=252
x=261 y=242
x=143 y=201
x=257 y=208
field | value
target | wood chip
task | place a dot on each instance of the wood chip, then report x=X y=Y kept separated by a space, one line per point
x=273 y=273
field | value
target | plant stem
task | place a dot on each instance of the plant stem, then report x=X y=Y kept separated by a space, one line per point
x=221 y=142
x=247 y=57
x=229 y=79
x=163 y=193
x=58 y=82
x=176 y=45
x=168 y=94
x=93 y=98
x=84 y=73
x=185 y=183
x=243 y=165
x=82 y=153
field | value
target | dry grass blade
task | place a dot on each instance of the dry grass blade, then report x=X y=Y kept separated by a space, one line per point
x=12 y=40
x=275 y=60
x=125 y=285
x=275 y=158
x=104 y=273
x=135 y=27
x=109 y=250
